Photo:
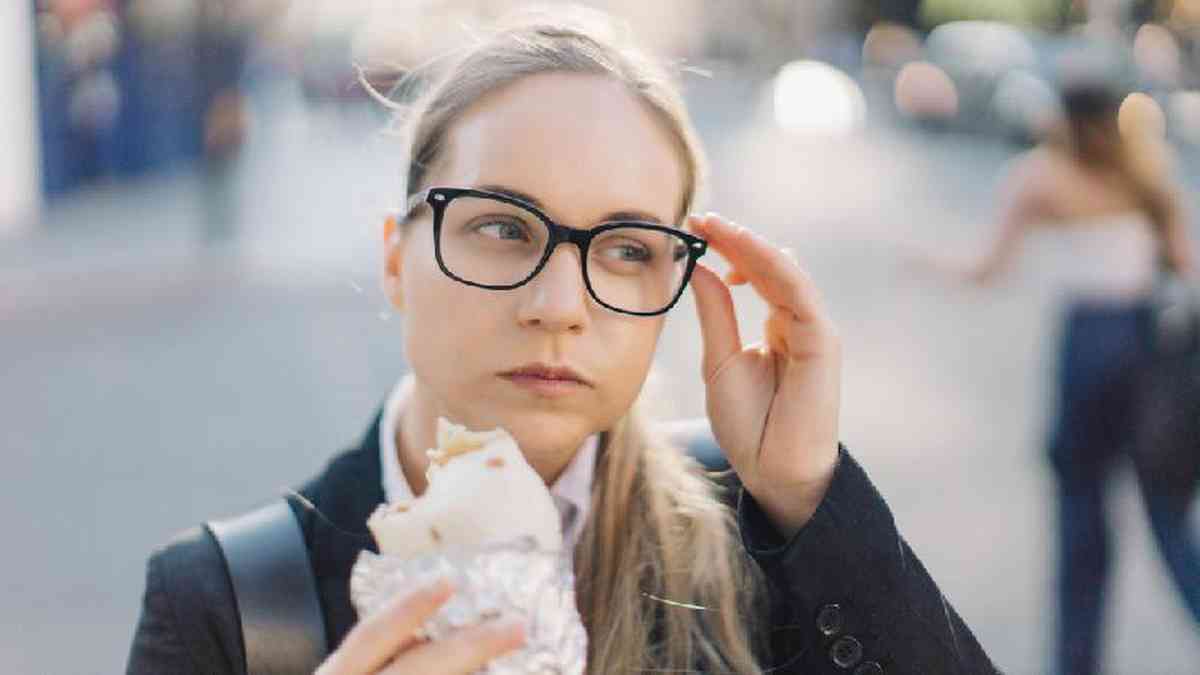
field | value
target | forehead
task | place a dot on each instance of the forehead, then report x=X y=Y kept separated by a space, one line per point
x=583 y=145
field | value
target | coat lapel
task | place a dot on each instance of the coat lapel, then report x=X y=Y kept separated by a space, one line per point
x=345 y=495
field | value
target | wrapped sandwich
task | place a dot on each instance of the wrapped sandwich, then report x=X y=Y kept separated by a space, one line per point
x=488 y=523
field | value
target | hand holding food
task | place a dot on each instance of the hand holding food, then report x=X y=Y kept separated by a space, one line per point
x=488 y=524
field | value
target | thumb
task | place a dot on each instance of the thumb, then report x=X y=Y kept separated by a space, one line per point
x=718 y=320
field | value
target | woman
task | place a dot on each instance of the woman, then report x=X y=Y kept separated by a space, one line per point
x=549 y=134
x=1099 y=197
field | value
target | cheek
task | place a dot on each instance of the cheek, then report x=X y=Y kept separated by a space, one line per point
x=630 y=349
x=434 y=325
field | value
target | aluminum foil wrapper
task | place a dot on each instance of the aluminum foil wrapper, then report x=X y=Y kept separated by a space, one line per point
x=511 y=579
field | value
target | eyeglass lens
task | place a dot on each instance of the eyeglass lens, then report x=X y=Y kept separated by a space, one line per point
x=494 y=243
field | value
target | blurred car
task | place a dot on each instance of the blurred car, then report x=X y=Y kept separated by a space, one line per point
x=997 y=79
x=976 y=56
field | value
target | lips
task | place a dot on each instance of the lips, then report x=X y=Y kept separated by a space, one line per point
x=548 y=372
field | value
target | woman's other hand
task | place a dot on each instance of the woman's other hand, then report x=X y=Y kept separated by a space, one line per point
x=773 y=406
x=387 y=643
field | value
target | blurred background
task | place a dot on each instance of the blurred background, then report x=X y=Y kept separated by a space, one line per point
x=191 y=194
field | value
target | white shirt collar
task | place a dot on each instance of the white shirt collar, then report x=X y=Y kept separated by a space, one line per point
x=572 y=491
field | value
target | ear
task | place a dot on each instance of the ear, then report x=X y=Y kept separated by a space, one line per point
x=393 y=261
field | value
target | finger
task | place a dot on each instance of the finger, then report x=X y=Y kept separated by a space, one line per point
x=736 y=278
x=718 y=319
x=732 y=277
x=375 y=641
x=774 y=273
x=465 y=652
x=776 y=277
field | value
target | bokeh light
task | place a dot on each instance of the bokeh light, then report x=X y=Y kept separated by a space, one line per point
x=1157 y=55
x=924 y=91
x=1025 y=104
x=983 y=47
x=1183 y=114
x=890 y=45
x=816 y=98
x=1140 y=116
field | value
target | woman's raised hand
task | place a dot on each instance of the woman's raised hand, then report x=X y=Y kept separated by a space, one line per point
x=386 y=643
x=773 y=406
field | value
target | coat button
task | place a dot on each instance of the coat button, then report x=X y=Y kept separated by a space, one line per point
x=846 y=652
x=869 y=668
x=830 y=621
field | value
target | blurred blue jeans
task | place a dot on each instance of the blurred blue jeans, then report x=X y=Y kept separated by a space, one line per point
x=1104 y=352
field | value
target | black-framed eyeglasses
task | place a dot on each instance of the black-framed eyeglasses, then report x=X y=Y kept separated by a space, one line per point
x=496 y=241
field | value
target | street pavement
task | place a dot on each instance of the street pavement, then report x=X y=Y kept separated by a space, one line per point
x=157 y=370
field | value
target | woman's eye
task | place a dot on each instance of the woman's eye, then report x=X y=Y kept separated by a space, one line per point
x=630 y=252
x=503 y=230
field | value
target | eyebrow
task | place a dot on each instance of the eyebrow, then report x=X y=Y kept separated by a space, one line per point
x=633 y=214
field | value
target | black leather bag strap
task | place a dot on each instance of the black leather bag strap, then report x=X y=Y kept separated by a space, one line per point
x=283 y=629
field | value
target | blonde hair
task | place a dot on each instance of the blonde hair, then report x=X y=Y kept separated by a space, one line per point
x=663 y=582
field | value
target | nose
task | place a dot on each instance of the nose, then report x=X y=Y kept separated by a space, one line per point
x=556 y=300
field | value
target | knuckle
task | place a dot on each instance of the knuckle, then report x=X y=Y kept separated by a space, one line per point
x=795 y=291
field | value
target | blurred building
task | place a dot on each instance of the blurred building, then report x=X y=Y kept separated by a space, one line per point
x=129 y=86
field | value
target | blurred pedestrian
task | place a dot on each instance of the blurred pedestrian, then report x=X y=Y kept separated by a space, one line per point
x=1100 y=191
x=223 y=39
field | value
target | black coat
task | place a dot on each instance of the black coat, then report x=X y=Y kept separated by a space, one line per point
x=848 y=595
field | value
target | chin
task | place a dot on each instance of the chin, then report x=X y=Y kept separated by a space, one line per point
x=542 y=433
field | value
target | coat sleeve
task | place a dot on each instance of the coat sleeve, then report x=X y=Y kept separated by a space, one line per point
x=851 y=597
x=189 y=623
